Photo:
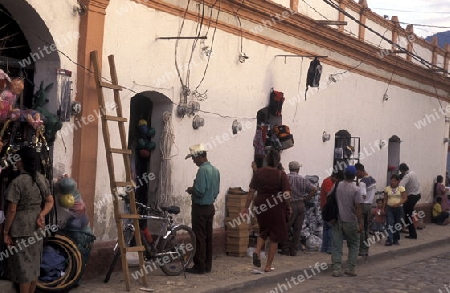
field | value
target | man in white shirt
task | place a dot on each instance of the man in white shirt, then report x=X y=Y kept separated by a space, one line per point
x=367 y=186
x=412 y=186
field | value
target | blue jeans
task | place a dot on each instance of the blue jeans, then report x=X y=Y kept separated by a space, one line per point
x=349 y=230
x=393 y=216
x=326 y=237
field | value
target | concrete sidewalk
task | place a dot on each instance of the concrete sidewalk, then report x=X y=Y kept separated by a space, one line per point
x=234 y=274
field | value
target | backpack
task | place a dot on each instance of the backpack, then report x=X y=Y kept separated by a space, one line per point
x=330 y=211
x=314 y=73
x=276 y=102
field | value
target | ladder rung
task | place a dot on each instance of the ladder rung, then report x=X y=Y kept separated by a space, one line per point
x=129 y=216
x=115 y=118
x=123 y=184
x=134 y=248
x=111 y=86
x=121 y=151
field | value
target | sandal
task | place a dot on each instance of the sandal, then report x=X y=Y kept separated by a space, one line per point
x=256 y=260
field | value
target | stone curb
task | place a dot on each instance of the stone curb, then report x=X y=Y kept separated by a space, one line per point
x=275 y=277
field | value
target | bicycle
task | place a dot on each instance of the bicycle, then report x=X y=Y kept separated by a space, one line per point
x=175 y=244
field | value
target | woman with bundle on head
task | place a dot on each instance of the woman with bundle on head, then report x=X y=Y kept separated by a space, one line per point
x=25 y=216
x=270 y=206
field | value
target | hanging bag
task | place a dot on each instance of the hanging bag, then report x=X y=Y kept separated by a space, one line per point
x=314 y=74
x=276 y=102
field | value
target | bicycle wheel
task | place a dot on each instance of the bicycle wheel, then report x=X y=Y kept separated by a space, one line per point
x=74 y=268
x=178 y=250
x=128 y=235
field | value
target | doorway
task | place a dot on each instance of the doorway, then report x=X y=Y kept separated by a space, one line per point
x=393 y=157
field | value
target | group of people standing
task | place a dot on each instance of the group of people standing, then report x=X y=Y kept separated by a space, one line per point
x=281 y=198
x=355 y=195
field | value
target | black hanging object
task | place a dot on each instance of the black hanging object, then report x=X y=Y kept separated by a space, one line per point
x=314 y=73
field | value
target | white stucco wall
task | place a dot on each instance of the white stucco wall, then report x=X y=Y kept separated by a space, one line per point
x=237 y=91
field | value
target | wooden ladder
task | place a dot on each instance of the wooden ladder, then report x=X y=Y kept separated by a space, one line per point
x=125 y=152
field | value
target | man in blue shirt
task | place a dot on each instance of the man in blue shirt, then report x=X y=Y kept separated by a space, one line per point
x=203 y=192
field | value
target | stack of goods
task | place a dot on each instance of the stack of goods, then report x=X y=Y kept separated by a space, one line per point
x=312 y=226
x=236 y=224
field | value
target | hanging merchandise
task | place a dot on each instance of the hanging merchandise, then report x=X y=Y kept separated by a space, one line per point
x=144 y=143
x=314 y=73
x=276 y=102
x=284 y=135
x=64 y=94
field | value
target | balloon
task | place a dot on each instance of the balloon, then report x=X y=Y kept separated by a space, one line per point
x=66 y=200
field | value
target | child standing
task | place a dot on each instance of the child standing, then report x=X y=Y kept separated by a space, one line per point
x=379 y=219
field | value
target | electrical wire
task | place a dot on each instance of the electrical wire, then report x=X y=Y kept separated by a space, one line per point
x=412 y=11
x=212 y=43
x=108 y=80
x=415 y=56
x=186 y=89
x=425 y=25
x=298 y=89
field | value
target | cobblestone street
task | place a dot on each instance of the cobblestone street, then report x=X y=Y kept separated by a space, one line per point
x=429 y=275
x=421 y=271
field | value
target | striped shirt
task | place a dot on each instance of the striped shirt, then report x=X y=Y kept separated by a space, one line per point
x=300 y=187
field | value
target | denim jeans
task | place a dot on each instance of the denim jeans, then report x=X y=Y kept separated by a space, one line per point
x=326 y=237
x=349 y=230
x=393 y=215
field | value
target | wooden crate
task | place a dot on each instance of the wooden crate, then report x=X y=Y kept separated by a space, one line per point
x=237 y=233
x=237 y=225
x=236 y=200
x=237 y=241
x=239 y=248
x=236 y=213
x=237 y=254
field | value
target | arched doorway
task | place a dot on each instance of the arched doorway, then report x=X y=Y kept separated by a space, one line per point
x=150 y=108
x=30 y=55
x=393 y=156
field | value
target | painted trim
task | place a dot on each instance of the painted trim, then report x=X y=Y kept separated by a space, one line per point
x=85 y=140
x=308 y=30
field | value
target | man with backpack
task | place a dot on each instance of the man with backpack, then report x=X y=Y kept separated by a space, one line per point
x=348 y=225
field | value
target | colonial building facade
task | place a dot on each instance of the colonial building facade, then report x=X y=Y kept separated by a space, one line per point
x=203 y=71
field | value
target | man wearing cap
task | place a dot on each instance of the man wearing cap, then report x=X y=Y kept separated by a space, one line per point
x=203 y=193
x=367 y=185
x=349 y=224
x=301 y=190
x=412 y=186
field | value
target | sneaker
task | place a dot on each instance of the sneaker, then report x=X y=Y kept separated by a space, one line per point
x=337 y=274
x=350 y=273
x=388 y=243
